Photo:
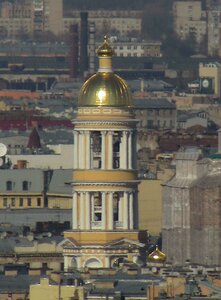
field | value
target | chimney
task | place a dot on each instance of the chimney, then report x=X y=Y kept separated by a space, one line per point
x=21 y=164
x=92 y=48
x=84 y=43
x=73 y=59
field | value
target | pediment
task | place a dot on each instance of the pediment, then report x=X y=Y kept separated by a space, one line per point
x=124 y=244
x=68 y=243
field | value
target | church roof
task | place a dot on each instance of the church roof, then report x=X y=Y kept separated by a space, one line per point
x=105 y=88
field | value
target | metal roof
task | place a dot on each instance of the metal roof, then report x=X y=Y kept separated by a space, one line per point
x=59 y=182
x=33 y=177
x=154 y=103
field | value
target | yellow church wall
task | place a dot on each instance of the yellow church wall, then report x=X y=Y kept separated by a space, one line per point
x=150 y=202
x=101 y=175
x=47 y=291
x=102 y=237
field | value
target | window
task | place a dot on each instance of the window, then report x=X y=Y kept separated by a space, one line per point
x=97 y=206
x=116 y=202
x=12 y=201
x=9 y=185
x=29 y=201
x=25 y=185
x=5 y=202
x=38 y=201
x=21 y=202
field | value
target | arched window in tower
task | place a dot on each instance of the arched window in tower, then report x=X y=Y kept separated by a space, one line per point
x=117 y=210
x=97 y=209
x=116 y=202
x=25 y=185
x=116 y=150
x=9 y=185
x=96 y=150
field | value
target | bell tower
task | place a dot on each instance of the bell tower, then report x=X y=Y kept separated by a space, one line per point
x=105 y=205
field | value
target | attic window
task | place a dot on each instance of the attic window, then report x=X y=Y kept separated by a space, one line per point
x=25 y=185
x=9 y=185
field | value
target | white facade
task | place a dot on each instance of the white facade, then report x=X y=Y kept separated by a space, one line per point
x=62 y=159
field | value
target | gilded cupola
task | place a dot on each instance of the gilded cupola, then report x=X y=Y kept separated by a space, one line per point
x=157 y=256
x=105 y=88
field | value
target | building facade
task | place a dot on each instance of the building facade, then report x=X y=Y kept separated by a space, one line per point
x=119 y=22
x=210 y=78
x=137 y=49
x=191 y=211
x=159 y=113
x=189 y=20
x=105 y=203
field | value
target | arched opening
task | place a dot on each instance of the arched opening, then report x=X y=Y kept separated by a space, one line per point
x=9 y=185
x=93 y=263
x=25 y=185
x=73 y=263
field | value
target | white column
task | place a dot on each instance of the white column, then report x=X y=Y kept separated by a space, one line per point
x=121 y=203
x=131 y=211
x=126 y=149
x=81 y=156
x=87 y=150
x=134 y=149
x=103 y=210
x=123 y=151
x=76 y=149
x=110 y=212
x=125 y=219
x=74 y=211
x=87 y=208
x=103 y=149
x=110 y=150
x=107 y=262
x=92 y=208
x=130 y=150
x=82 y=210
x=66 y=263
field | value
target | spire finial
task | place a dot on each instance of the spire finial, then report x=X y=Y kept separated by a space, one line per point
x=105 y=50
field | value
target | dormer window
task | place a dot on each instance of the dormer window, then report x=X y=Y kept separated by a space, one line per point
x=25 y=185
x=9 y=185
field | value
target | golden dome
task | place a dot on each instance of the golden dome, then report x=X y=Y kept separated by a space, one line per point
x=157 y=256
x=105 y=88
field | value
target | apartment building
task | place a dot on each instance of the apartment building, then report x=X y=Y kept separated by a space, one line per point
x=34 y=16
x=16 y=19
x=210 y=78
x=120 y=22
x=190 y=20
x=137 y=48
x=29 y=16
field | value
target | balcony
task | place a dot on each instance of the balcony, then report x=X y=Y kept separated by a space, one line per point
x=96 y=224
x=97 y=208
x=96 y=154
x=118 y=224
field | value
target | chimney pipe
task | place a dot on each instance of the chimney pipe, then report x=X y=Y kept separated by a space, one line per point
x=73 y=58
x=84 y=43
